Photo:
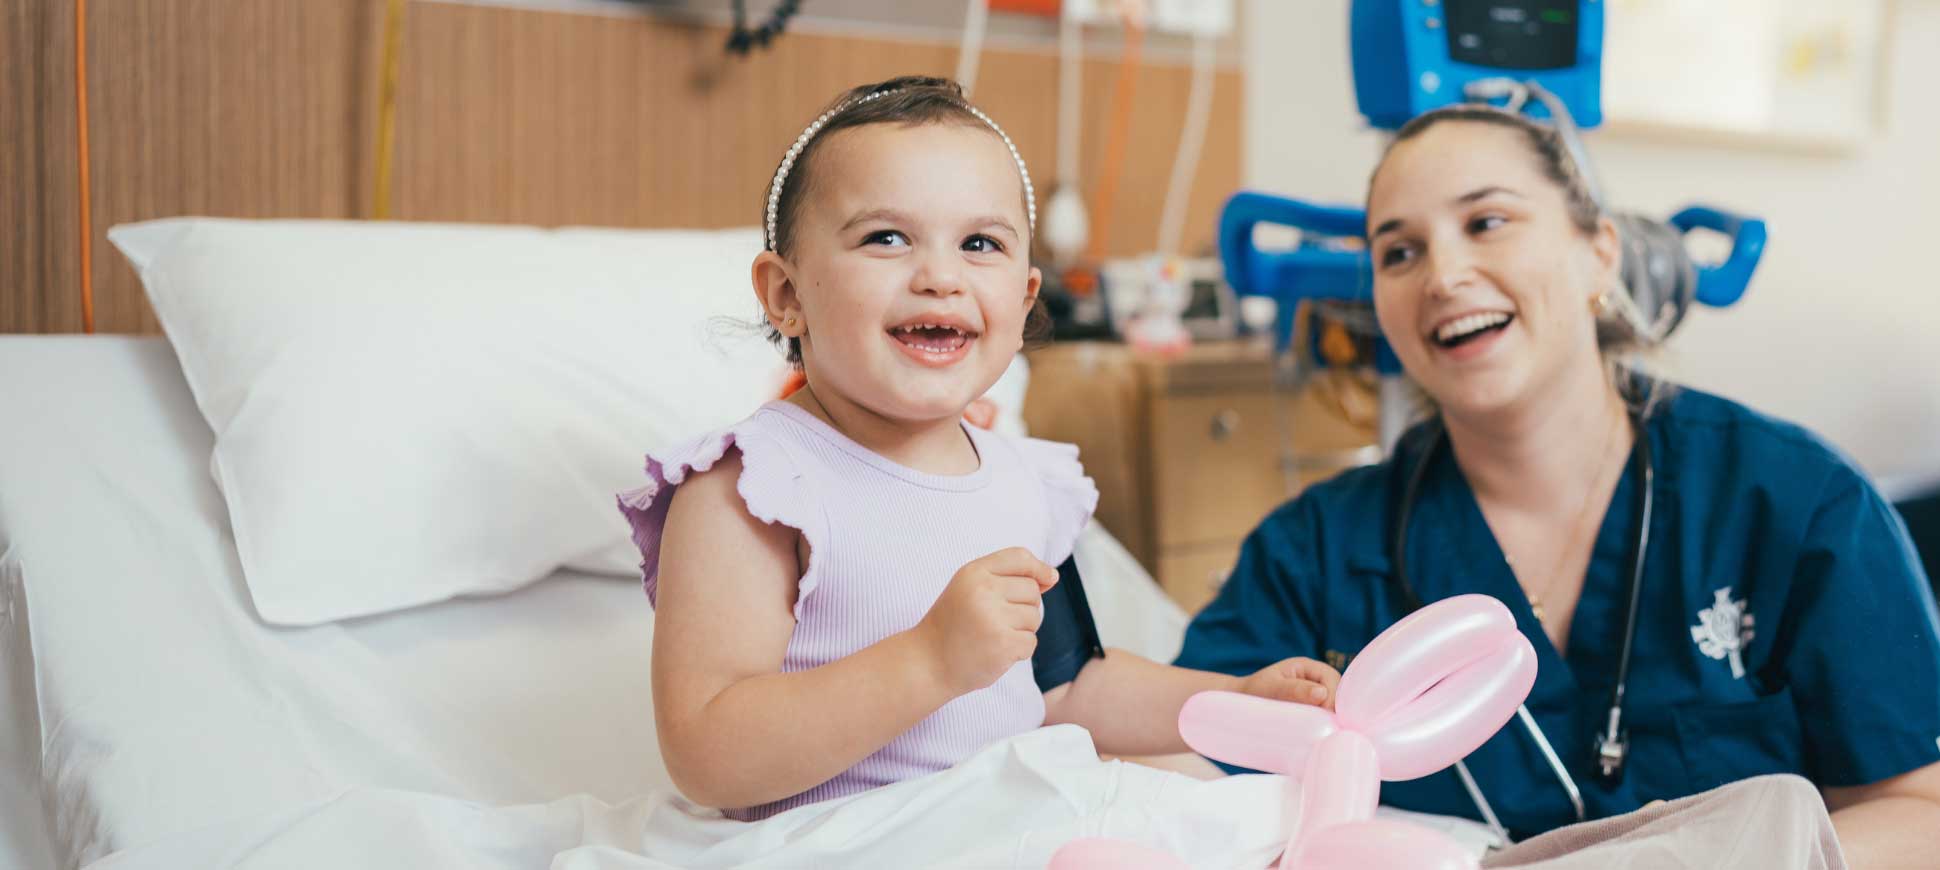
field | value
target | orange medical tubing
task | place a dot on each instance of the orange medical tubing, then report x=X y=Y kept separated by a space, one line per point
x=1121 y=120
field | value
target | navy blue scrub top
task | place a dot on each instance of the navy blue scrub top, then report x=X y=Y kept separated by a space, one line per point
x=1761 y=535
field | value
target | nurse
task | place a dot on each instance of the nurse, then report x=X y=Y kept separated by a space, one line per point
x=1781 y=621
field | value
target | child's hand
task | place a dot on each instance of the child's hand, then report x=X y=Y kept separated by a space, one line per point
x=986 y=619
x=1300 y=680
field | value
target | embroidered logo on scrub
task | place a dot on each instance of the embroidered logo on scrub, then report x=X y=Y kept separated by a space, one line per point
x=1723 y=630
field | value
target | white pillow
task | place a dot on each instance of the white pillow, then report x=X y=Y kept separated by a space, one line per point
x=405 y=413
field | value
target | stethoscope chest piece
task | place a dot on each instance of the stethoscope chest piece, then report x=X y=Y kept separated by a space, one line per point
x=1611 y=751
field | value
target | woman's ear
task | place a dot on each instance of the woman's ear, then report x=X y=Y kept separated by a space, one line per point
x=1607 y=246
x=774 y=288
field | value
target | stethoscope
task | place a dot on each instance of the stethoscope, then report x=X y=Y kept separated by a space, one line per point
x=1613 y=745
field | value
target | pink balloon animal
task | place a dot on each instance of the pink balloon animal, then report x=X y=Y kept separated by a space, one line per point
x=1423 y=695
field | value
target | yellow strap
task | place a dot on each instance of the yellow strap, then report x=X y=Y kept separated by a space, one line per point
x=387 y=109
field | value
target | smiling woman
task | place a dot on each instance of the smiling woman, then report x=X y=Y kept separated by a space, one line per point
x=1506 y=213
x=1713 y=594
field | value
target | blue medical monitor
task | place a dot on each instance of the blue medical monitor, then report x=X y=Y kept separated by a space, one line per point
x=1411 y=56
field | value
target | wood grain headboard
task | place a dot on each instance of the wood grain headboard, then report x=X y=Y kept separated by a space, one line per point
x=506 y=115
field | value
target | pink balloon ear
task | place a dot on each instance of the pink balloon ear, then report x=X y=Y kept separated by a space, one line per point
x=1253 y=732
x=1096 y=854
x=1414 y=654
x=1458 y=714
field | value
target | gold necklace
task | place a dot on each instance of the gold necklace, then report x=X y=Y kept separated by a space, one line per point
x=1576 y=531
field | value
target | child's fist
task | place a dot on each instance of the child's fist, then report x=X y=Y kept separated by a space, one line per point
x=986 y=619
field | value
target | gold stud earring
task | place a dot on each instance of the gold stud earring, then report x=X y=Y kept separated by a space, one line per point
x=1600 y=303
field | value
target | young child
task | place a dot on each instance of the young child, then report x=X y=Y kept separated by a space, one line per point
x=847 y=584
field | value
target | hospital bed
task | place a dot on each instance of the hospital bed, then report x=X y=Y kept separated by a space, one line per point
x=148 y=700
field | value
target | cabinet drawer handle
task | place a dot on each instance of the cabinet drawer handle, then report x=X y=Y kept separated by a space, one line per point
x=1224 y=424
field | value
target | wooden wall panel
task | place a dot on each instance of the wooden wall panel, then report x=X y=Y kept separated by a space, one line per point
x=40 y=273
x=268 y=109
x=220 y=107
x=634 y=122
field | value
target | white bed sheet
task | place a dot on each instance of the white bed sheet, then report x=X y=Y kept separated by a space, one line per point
x=150 y=702
x=1009 y=807
x=162 y=704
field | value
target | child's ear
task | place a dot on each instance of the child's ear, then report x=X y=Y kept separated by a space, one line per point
x=774 y=288
x=1032 y=286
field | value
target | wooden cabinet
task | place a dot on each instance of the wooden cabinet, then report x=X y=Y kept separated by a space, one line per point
x=1189 y=453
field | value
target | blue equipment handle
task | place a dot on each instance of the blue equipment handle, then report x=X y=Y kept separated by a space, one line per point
x=1311 y=271
x=1722 y=284
x=1314 y=270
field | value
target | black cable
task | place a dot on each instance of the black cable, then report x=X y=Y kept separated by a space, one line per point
x=1398 y=572
x=744 y=41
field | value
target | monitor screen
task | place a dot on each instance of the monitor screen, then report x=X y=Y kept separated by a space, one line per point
x=1513 y=34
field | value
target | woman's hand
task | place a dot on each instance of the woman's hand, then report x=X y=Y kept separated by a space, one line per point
x=1300 y=680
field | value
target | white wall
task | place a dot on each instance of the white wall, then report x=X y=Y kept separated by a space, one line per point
x=1840 y=330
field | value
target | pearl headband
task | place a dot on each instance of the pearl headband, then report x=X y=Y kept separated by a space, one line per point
x=801 y=142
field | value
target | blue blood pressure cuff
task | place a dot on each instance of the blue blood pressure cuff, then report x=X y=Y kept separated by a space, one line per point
x=1068 y=637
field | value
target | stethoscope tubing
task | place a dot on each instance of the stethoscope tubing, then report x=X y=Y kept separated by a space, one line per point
x=1613 y=735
